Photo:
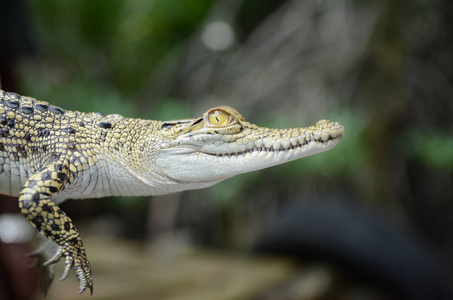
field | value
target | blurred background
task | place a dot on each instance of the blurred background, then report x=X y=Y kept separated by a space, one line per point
x=382 y=68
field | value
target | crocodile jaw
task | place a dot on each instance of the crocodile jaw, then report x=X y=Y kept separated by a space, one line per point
x=210 y=164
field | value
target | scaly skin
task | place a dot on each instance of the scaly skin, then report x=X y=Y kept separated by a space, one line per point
x=48 y=154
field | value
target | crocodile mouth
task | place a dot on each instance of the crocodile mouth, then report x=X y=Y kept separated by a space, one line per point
x=278 y=148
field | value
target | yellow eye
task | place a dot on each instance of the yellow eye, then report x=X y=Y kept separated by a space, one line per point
x=218 y=118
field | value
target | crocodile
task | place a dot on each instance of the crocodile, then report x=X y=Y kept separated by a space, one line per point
x=48 y=155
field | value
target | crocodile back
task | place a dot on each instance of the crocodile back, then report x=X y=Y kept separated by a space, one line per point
x=34 y=133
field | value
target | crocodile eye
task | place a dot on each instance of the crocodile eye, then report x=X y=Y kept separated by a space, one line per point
x=218 y=118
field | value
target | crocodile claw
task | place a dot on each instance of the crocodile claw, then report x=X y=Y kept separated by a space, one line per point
x=77 y=261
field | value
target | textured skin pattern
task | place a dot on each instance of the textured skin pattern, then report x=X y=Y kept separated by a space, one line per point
x=48 y=154
x=35 y=203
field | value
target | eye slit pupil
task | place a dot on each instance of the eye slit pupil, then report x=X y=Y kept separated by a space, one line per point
x=218 y=118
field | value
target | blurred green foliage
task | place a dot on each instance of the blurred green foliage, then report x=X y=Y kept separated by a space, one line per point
x=432 y=148
x=381 y=68
x=107 y=44
x=107 y=56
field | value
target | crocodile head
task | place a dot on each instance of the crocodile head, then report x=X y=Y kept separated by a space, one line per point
x=222 y=144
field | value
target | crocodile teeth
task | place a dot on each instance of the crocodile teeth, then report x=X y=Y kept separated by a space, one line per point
x=279 y=147
x=285 y=144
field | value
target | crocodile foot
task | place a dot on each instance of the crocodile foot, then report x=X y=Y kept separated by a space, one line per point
x=75 y=259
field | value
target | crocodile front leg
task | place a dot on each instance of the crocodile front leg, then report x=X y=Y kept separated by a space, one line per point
x=36 y=205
